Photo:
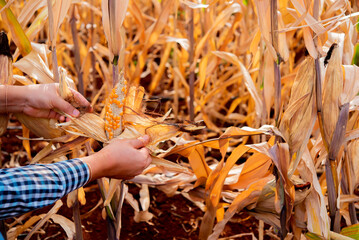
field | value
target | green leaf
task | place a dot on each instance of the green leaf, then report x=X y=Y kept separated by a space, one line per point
x=17 y=33
x=313 y=236
x=351 y=231
x=245 y=2
x=356 y=54
x=357 y=25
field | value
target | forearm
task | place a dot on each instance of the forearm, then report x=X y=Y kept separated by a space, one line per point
x=34 y=186
x=12 y=98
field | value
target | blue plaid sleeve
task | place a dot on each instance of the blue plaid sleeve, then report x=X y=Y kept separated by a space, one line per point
x=27 y=188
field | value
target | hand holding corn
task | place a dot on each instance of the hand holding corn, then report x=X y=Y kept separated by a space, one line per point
x=39 y=100
x=121 y=159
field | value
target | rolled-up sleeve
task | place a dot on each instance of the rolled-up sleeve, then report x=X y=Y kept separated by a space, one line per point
x=27 y=188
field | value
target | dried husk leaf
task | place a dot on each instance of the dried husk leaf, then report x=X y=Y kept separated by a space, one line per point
x=41 y=127
x=332 y=90
x=88 y=125
x=298 y=116
x=66 y=224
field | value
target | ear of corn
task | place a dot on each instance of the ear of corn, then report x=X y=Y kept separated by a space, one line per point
x=5 y=73
x=115 y=109
x=41 y=127
x=332 y=89
x=298 y=115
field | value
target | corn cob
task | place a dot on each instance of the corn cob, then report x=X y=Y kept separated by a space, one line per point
x=5 y=73
x=114 y=109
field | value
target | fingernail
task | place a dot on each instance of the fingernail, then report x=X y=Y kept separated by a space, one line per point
x=145 y=138
x=75 y=113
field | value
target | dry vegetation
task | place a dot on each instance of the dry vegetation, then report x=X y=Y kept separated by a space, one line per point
x=274 y=82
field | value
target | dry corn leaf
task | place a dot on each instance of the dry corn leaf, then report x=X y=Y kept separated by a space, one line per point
x=221 y=19
x=66 y=224
x=247 y=79
x=59 y=11
x=255 y=168
x=13 y=233
x=18 y=36
x=285 y=192
x=45 y=218
x=34 y=66
x=28 y=11
x=316 y=211
x=351 y=86
x=113 y=15
x=244 y=199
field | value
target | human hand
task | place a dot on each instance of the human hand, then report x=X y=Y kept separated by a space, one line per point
x=41 y=100
x=122 y=159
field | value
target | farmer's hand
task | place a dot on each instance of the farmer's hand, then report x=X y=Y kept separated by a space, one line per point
x=122 y=159
x=40 y=100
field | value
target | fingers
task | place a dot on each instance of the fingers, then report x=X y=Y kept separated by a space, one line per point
x=81 y=100
x=42 y=113
x=140 y=142
x=66 y=107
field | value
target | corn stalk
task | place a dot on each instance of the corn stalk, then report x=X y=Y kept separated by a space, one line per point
x=76 y=50
x=191 y=56
x=277 y=104
x=53 y=41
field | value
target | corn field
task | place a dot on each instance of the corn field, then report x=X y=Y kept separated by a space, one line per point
x=251 y=106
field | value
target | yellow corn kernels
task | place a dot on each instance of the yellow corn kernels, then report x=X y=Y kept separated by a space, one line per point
x=114 y=110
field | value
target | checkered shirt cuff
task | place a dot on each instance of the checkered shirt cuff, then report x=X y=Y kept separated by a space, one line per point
x=27 y=188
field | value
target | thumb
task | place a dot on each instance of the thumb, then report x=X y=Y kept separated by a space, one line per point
x=66 y=107
x=140 y=142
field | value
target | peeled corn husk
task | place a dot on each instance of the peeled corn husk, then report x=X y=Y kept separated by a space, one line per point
x=41 y=127
x=88 y=125
x=332 y=90
x=296 y=121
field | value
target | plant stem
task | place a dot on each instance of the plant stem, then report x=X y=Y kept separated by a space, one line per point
x=277 y=77
x=53 y=42
x=92 y=55
x=175 y=65
x=191 y=74
x=77 y=52
x=277 y=104
x=345 y=186
x=77 y=218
